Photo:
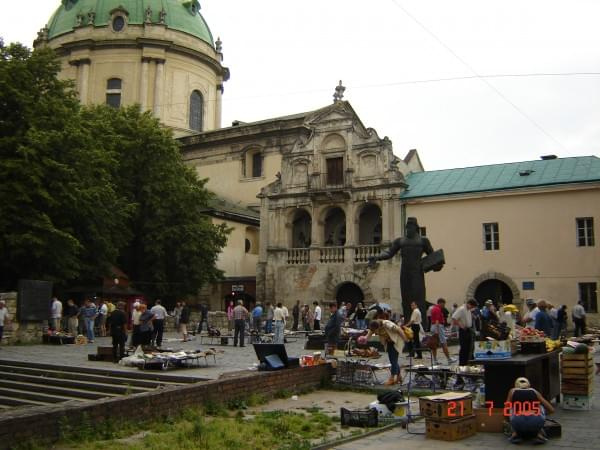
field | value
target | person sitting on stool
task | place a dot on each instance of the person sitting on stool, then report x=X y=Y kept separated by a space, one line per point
x=530 y=423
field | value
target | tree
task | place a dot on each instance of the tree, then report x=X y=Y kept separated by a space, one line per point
x=61 y=217
x=174 y=245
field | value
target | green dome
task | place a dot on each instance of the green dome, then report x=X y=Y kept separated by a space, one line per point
x=181 y=15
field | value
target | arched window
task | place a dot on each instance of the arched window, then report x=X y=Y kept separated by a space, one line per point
x=113 y=92
x=196 y=107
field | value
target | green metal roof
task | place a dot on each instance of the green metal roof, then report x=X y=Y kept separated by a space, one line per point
x=497 y=177
x=182 y=15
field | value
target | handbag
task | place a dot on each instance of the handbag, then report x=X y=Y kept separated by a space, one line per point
x=408 y=332
x=432 y=342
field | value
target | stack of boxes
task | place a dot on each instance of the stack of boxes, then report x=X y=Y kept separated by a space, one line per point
x=577 y=373
x=449 y=416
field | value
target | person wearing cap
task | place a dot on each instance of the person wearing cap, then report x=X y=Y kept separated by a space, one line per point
x=527 y=423
x=488 y=313
x=529 y=317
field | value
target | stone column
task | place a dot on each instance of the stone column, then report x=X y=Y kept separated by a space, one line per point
x=351 y=240
x=159 y=83
x=218 y=107
x=84 y=80
x=386 y=222
x=144 y=84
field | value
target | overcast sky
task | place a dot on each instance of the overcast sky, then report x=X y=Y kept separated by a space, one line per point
x=286 y=57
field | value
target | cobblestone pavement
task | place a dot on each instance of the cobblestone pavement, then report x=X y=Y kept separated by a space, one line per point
x=233 y=359
x=580 y=429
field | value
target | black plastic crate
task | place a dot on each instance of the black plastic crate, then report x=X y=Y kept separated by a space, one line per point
x=359 y=418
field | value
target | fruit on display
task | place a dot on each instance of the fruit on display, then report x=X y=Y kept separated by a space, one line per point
x=552 y=344
x=531 y=334
x=511 y=309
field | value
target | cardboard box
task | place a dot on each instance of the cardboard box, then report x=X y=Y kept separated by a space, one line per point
x=492 y=349
x=450 y=430
x=451 y=405
x=489 y=420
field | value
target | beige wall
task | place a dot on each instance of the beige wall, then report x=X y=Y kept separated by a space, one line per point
x=164 y=90
x=537 y=241
x=234 y=260
x=225 y=177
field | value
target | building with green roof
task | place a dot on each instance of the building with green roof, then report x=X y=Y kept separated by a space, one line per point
x=158 y=53
x=513 y=231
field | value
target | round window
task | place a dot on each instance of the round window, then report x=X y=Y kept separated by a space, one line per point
x=118 y=23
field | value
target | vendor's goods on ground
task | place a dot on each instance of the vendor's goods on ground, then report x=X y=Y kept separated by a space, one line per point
x=449 y=416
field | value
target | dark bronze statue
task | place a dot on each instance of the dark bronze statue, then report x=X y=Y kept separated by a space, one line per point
x=412 y=273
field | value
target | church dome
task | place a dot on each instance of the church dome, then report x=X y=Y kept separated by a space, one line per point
x=180 y=15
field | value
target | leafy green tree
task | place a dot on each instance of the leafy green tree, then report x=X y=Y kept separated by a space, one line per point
x=174 y=245
x=61 y=216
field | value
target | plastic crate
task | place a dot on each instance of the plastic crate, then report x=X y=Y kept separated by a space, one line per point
x=359 y=418
x=577 y=402
x=354 y=372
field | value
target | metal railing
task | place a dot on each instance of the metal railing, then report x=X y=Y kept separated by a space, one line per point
x=321 y=181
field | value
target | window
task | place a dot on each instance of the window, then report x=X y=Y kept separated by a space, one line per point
x=252 y=164
x=257 y=164
x=113 y=92
x=118 y=23
x=588 y=294
x=248 y=245
x=196 y=111
x=585 y=231
x=491 y=236
x=335 y=171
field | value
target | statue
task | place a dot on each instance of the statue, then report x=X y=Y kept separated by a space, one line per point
x=162 y=16
x=148 y=15
x=412 y=272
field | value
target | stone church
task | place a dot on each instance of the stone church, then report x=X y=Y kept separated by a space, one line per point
x=312 y=195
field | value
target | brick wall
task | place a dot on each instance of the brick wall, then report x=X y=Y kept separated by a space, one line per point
x=44 y=423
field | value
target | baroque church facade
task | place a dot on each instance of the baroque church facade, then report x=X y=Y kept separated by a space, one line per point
x=310 y=196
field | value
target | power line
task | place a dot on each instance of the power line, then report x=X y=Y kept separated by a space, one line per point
x=477 y=75
x=225 y=98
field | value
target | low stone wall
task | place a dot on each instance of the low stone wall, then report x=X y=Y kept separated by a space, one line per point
x=45 y=423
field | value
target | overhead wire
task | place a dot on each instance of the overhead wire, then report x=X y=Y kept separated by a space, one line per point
x=477 y=75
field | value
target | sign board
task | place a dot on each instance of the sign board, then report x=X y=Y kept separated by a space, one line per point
x=528 y=285
x=33 y=300
x=237 y=288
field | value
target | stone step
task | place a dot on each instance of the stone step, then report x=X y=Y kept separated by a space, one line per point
x=27 y=394
x=44 y=388
x=137 y=375
x=82 y=376
x=56 y=381
x=9 y=402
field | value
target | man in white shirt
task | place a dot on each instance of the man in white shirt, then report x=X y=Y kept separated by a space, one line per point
x=278 y=324
x=102 y=316
x=578 y=315
x=4 y=318
x=529 y=317
x=463 y=319
x=55 y=314
x=415 y=326
x=317 y=324
x=160 y=313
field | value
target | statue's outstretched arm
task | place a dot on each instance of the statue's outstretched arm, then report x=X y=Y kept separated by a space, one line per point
x=387 y=254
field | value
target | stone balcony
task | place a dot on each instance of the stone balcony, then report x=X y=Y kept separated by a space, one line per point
x=331 y=254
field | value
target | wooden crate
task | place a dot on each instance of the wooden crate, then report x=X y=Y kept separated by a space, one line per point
x=451 y=405
x=574 y=389
x=451 y=430
x=490 y=421
x=577 y=363
x=576 y=356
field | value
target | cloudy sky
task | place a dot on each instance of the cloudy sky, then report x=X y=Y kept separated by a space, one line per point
x=458 y=80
